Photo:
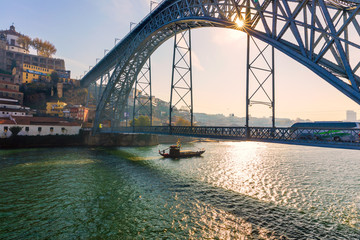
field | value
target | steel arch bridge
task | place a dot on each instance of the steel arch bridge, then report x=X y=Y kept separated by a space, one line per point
x=323 y=35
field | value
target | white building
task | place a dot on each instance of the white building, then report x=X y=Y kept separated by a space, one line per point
x=12 y=107
x=12 y=36
x=350 y=116
x=38 y=126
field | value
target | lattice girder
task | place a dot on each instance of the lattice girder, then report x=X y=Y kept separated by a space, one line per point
x=322 y=35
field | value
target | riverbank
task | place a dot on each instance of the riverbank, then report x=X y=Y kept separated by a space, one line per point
x=84 y=139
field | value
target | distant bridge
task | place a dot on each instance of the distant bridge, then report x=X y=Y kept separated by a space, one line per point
x=259 y=134
x=323 y=35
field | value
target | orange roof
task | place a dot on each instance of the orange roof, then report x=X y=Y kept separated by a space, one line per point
x=23 y=120
x=6 y=121
x=9 y=90
x=8 y=83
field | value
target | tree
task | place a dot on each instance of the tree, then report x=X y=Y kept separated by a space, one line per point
x=25 y=41
x=37 y=44
x=15 y=130
x=182 y=122
x=43 y=48
x=49 y=49
x=141 y=121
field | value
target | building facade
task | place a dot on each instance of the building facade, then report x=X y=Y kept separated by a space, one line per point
x=38 y=126
x=55 y=108
x=11 y=36
x=13 y=56
x=12 y=107
x=11 y=90
x=32 y=73
x=350 y=116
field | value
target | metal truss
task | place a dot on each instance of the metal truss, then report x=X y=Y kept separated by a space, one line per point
x=101 y=86
x=260 y=77
x=303 y=136
x=91 y=98
x=323 y=35
x=181 y=80
x=142 y=93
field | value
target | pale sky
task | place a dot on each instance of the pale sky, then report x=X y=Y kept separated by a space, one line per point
x=82 y=29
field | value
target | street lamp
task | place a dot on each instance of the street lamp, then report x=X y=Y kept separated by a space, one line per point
x=151 y=3
x=132 y=23
x=116 y=39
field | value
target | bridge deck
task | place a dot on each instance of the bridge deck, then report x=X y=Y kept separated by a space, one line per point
x=334 y=138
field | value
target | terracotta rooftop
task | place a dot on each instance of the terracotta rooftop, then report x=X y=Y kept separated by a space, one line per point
x=11 y=31
x=47 y=121
x=8 y=83
x=9 y=90
x=43 y=121
x=6 y=121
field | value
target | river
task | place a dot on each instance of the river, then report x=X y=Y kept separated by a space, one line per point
x=237 y=190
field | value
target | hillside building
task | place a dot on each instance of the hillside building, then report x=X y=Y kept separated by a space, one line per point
x=38 y=126
x=13 y=56
x=11 y=37
x=12 y=107
x=77 y=112
x=55 y=108
x=11 y=90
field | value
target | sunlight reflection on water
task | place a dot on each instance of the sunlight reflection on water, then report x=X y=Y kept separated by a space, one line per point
x=237 y=190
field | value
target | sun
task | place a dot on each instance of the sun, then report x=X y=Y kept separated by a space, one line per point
x=240 y=23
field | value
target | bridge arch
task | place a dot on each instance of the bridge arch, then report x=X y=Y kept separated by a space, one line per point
x=320 y=42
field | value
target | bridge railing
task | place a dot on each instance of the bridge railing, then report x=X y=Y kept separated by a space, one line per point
x=309 y=136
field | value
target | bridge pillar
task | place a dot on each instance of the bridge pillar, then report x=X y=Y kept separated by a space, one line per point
x=142 y=93
x=181 y=80
x=260 y=78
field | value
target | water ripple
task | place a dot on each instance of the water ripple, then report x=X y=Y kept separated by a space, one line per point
x=236 y=191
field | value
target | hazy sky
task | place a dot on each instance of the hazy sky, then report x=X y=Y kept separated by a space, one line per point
x=82 y=29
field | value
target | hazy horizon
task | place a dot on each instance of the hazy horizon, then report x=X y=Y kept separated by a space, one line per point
x=81 y=30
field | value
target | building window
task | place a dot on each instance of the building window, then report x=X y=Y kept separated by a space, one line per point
x=27 y=129
x=6 y=129
x=39 y=129
x=51 y=129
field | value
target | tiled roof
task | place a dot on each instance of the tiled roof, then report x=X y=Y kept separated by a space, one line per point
x=11 y=32
x=47 y=121
x=8 y=83
x=6 y=74
x=12 y=110
x=9 y=90
x=6 y=121
x=43 y=121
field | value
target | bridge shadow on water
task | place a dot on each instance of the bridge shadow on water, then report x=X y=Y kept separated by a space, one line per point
x=264 y=220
